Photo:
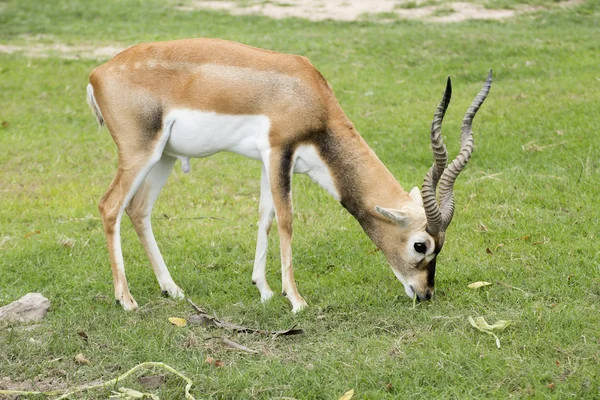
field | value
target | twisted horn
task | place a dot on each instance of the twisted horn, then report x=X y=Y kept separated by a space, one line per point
x=458 y=164
x=432 y=211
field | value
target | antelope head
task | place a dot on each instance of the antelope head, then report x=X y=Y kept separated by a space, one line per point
x=415 y=232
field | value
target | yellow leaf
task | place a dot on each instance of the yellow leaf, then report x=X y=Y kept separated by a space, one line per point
x=348 y=395
x=477 y=285
x=80 y=359
x=481 y=324
x=180 y=322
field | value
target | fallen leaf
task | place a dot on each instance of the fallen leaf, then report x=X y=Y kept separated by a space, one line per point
x=526 y=237
x=388 y=387
x=32 y=233
x=180 y=322
x=477 y=285
x=551 y=386
x=212 y=361
x=5 y=124
x=487 y=250
x=83 y=335
x=481 y=324
x=66 y=242
x=348 y=395
x=80 y=359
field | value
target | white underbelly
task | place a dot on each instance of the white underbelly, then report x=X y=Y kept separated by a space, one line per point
x=202 y=133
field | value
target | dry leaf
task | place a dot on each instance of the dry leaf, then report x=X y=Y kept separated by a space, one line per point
x=481 y=324
x=212 y=361
x=477 y=285
x=80 y=359
x=32 y=233
x=487 y=250
x=66 y=242
x=83 y=335
x=5 y=124
x=180 y=322
x=348 y=395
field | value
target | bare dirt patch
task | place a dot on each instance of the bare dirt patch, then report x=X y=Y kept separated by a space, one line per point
x=352 y=10
x=38 y=47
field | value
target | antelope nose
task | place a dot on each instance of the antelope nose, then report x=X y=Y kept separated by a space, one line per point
x=427 y=295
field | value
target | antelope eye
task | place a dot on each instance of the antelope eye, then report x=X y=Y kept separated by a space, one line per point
x=420 y=247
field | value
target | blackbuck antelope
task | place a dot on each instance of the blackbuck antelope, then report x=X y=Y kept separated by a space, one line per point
x=193 y=98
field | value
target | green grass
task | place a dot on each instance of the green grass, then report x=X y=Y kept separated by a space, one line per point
x=529 y=195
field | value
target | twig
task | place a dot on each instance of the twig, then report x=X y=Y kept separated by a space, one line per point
x=68 y=392
x=202 y=318
x=238 y=346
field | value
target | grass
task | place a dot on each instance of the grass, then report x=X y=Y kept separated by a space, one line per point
x=528 y=197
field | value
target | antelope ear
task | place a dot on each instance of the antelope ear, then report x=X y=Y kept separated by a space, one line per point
x=398 y=217
x=415 y=194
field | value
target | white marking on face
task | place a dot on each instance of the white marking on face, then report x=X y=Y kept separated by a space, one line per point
x=420 y=237
x=203 y=133
x=407 y=288
x=309 y=162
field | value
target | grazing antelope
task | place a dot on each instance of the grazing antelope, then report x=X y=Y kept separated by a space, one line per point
x=196 y=97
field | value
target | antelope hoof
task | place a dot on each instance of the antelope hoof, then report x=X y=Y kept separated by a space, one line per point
x=298 y=305
x=265 y=295
x=127 y=302
x=174 y=292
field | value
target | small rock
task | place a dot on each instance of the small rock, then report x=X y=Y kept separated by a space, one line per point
x=30 y=308
x=152 y=381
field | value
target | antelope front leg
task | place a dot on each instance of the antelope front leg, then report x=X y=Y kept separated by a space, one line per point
x=266 y=212
x=280 y=177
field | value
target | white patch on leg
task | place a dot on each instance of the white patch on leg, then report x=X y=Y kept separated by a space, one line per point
x=267 y=213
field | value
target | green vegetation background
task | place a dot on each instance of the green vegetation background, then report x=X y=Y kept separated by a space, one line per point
x=527 y=214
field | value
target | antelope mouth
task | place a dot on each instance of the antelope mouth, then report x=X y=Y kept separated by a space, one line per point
x=422 y=296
